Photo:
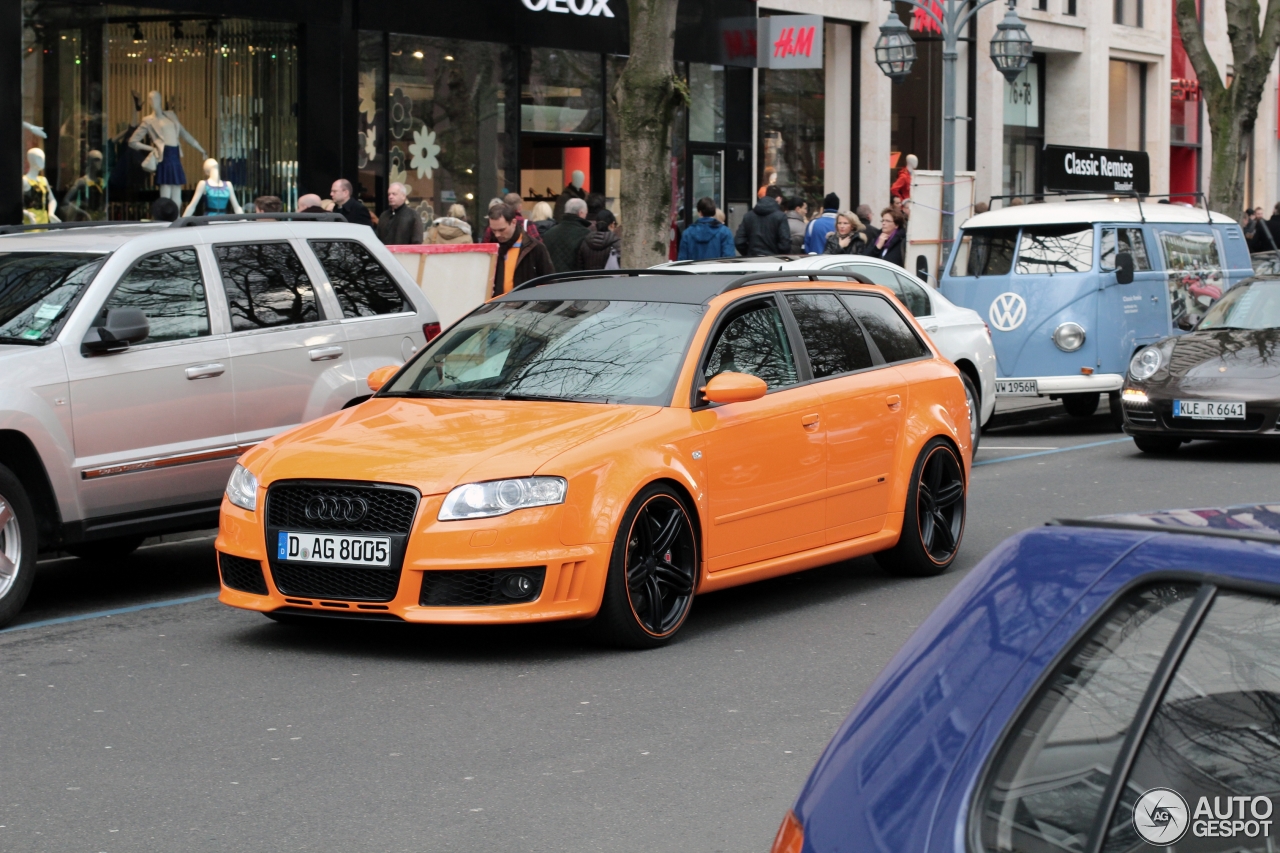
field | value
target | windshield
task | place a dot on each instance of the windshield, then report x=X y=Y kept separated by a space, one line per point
x=581 y=351
x=1248 y=305
x=1049 y=249
x=985 y=251
x=37 y=291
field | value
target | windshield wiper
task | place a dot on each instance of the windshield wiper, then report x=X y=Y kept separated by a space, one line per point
x=442 y=395
x=547 y=398
x=29 y=342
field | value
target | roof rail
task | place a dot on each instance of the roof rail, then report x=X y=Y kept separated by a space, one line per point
x=61 y=226
x=1094 y=196
x=186 y=221
x=552 y=278
x=814 y=275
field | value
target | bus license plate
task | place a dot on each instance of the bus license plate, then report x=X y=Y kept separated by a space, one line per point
x=1208 y=410
x=1017 y=388
x=328 y=548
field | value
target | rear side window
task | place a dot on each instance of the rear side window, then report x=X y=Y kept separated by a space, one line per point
x=985 y=251
x=894 y=337
x=833 y=339
x=266 y=286
x=1124 y=240
x=913 y=296
x=1051 y=249
x=363 y=287
x=755 y=342
x=169 y=289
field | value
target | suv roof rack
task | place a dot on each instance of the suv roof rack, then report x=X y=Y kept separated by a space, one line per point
x=61 y=226
x=552 y=278
x=185 y=221
x=811 y=275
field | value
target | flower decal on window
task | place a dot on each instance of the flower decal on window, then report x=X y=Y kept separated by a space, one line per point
x=401 y=117
x=396 y=173
x=424 y=150
x=368 y=101
x=370 y=154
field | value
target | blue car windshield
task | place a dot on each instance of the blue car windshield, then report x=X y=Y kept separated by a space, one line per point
x=38 y=291
x=1250 y=305
x=590 y=351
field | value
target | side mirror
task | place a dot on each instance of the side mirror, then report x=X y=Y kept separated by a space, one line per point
x=1124 y=268
x=123 y=326
x=734 y=388
x=381 y=377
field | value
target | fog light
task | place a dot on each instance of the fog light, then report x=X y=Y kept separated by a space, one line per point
x=1133 y=395
x=517 y=586
x=1069 y=337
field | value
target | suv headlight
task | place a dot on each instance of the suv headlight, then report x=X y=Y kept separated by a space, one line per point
x=1069 y=337
x=242 y=488
x=499 y=497
x=1145 y=363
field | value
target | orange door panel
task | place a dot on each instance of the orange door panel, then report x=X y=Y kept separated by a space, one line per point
x=865 y=414
x=766 y=463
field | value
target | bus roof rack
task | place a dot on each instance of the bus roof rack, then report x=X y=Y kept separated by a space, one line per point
x=1095 y=195
x=186 y=221
x=552 y=278
x=62 y=226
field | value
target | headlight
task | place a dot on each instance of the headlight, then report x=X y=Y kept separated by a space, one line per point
x=1144 y=365
x=242 y=489
x=1069 y=337
x=499 y=497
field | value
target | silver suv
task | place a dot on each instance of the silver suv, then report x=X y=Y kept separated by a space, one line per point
x=138 y=361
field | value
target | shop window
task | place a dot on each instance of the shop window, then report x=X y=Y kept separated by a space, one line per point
x=1024 y=129
x=560 y=92
x=371 y=124
x=706 y=102
x=448 y=136
x=1127 y=105
x=265 y=286
x=169 y=289
x=792 y=129
x=361 y=284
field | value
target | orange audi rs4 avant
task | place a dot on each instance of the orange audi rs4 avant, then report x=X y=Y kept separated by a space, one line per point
x=609 y=447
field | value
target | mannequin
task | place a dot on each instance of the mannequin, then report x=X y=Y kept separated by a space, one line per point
x=574 y=190
x=160 y=134
x=87 y=196
x=39 y=205
x=217 y=193
x=902 y=186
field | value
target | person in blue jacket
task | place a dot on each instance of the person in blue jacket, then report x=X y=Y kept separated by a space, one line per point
x=707 y=238
x=815 y=238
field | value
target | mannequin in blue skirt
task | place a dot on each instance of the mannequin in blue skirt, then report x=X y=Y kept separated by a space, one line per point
x=159 y=134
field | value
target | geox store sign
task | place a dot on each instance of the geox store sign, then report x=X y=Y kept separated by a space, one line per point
x=593 y=8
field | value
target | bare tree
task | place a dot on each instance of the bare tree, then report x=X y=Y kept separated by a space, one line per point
x=647 y=94
x=1233 y=107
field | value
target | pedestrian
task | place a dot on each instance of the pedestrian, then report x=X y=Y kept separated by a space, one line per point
x=399 y=224
x=542 y=218
x=890 y=244
x=602 y=247
x=815 y=236
x=574 y=189
x=595 y=204
x=521 y=257
x=764 y=230
x=562 y=242
x=517 y=204
x=1262 y=238
x=450 y=229
x=708 y=238
x=268 y=204
x=849 y=236
x=981 y=207
x=864 y=216
x=344 y=202
x=797 y=212
x=307 y=201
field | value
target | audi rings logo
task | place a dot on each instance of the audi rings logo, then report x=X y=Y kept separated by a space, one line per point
x=1007 y=311
x=349 y=510
x=1160 y=817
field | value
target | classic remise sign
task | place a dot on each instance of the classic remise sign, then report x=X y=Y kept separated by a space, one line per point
x=1097 y=170
x=594 y=8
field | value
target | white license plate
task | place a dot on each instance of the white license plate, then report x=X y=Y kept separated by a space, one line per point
x=1017 y=388
x=330 y=548
x=1208 y=410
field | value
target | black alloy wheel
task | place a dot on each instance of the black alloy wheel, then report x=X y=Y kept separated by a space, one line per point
x=933 y=523
x=653 y=571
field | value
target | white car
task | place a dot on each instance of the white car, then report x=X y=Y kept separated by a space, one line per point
x=960 y=334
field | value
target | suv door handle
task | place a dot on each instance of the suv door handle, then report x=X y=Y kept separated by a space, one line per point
x=205 y=371
x=325 y=353
x=809 y=422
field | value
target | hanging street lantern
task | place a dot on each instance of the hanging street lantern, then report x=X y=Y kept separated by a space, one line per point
x=1011 y=45
x=895 y=51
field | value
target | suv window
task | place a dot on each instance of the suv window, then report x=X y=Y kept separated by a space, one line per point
x=892 y=334
x=363 y=287
x=1047 y=787
x=37 y=291
x=1049 y=249
x=169 y=288
x=755 y=342
x=911 y=294
x=1215 y=737
x=266 y=286
x=831 y=335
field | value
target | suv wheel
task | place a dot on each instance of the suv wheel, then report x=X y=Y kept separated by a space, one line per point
x=17 y=545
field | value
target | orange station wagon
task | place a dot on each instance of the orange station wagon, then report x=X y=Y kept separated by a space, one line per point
x=607 y=447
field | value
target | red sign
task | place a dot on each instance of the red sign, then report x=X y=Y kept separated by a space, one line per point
x=795 y=41
x=923 y=22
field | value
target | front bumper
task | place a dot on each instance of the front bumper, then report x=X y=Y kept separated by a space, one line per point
x=1155 y=417
x=1101 y=383
x=572 y=580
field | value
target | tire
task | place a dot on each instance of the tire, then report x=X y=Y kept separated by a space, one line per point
x=655 y=558
x=1080 y=405
x=1157 y=444
x=1116 y=411
x=974 y=401
x=108 y=550
x=18 y=546
x=933 y=523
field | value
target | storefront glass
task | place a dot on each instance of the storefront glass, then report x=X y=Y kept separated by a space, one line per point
x=1023 y=130
x=561 y=92
x=371 y=124
x=792 y=130
x=706 y=102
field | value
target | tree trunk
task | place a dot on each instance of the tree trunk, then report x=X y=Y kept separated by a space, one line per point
x=647 y=95
x=1232 y=109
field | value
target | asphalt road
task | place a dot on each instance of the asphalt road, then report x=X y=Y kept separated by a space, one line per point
x=194 y=727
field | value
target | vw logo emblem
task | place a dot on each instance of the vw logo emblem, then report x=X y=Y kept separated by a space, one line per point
x=1008 y=311
x=349 y=510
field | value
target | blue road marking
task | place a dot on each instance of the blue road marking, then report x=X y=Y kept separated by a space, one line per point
x=1051 y=452
x=115 y=612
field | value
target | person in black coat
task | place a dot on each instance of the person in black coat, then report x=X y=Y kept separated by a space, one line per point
x=764 y=230
x=345 y=203
x=891 y=243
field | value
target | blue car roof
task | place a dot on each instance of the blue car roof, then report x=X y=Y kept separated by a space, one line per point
x=901 y=770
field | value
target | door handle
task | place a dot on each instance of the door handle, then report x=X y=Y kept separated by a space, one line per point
x=325 y=353
x=810 y=422
x=931 y=329
x=894 y=402
x=205 y=371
